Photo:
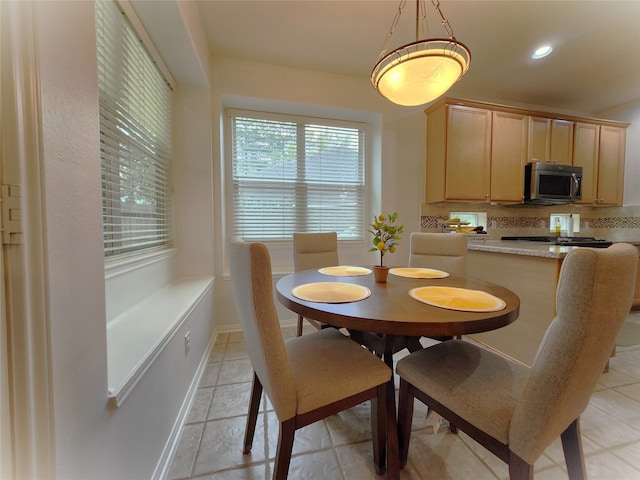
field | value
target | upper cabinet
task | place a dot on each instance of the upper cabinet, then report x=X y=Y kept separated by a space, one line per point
x=611 y=165
x=585 y=147
x=459 y=149
x=600 y=151
x=476 y=152
x=550 y=140
x=468 y=151
x=508 y=156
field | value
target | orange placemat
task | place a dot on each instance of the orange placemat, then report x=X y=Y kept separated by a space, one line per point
x=454 y=298
x=345 y=271
x=331 y=292
x=413 y=272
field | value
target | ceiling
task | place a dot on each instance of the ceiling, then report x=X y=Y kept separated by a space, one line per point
x=595 y=65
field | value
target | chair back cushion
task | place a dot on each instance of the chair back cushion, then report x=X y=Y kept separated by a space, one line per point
x=315 y=250
x=251 y=281
x=593 y=299
x=442 y=251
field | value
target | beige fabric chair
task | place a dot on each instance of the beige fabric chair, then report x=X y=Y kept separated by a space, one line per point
x=307 y=378
x=442 y=251
x=314 y=250
x=514 y=411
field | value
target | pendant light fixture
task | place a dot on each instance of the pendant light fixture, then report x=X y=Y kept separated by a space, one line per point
x=421 y=71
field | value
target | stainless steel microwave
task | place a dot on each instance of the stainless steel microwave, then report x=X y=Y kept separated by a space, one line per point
x=552 y=184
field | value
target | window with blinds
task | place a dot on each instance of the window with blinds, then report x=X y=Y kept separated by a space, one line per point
x=135 y=138
x=296 y=174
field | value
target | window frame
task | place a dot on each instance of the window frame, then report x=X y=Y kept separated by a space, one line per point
x=164 y=235
x=283 y=115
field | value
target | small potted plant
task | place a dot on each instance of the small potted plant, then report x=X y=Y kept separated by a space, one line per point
x=385 y=238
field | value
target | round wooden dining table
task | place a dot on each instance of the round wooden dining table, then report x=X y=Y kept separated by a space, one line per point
x=390 y=319
x=390 y=310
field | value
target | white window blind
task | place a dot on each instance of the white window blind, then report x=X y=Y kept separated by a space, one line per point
x=296 y=174
x=135 y=138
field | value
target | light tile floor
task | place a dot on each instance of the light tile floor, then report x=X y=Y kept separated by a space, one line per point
x=340 y=446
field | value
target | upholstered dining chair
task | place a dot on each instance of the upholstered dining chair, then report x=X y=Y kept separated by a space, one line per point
x=442 y=251
x=308 y=378
x=314 y=250
x=515 y=411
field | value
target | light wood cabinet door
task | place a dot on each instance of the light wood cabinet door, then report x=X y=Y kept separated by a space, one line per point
x=468 y=153
x=550 y=140
x=539 y=139
x=509 y=133
x=611 y=165
x=585 y=155
x=436 y=154
x=562 y=142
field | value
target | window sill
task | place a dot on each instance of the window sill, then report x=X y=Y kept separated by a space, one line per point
x=138 y=335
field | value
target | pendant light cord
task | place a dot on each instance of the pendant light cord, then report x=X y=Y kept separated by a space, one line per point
x=436 y=3
x=392 y=29
x=445 y=23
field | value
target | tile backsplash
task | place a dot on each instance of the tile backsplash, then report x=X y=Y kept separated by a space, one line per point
x=612 y=223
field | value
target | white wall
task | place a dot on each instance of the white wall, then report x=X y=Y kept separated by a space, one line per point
x=396 y=179
x=93 y=440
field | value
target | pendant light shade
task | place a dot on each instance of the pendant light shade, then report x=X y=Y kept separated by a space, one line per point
x=419 y=72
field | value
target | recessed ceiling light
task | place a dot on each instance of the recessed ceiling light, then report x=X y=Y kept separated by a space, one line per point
x=542 y=52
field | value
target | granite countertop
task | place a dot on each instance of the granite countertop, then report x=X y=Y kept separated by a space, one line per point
x=532 y=249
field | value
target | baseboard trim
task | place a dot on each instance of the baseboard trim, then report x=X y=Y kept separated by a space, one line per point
x=164 y=463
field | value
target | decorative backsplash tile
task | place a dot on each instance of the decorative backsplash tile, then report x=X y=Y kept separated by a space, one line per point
x=515 y=222
x=615 y=223
x=430 y=221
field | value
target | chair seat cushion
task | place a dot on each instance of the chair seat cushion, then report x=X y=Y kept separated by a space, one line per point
x=327 y=366
x=480 y=386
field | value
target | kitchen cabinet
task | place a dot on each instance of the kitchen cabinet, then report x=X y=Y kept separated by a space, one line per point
x=533 y=276
x=550 y=140
x=611 y=156
x=585 y=155
x=600 y=151
x=476 y=151
x=508 y=156
x=534 y=279
x=458 y=152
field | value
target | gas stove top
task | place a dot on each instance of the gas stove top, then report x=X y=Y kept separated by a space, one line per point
x=566 y=241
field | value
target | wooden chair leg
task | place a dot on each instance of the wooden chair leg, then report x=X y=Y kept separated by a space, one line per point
x=300 y=322
x=573 y=456
x=393 y=456
x=285 y=446
x=379 y=430
x=519 y=469
x=413 y=344
x=252 y=416
x=405 y=417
